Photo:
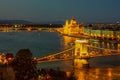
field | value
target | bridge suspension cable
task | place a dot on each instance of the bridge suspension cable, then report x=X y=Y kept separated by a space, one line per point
x=57 y=53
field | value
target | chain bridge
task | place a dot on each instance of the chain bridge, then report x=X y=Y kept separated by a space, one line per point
x=79 y=51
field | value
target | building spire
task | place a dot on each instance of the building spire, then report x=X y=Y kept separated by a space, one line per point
x=66 y=23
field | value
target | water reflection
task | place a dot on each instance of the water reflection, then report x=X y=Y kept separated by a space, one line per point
x=98 y=74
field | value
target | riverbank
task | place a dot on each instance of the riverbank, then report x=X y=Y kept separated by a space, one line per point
x=51 y=74
x=7 y=72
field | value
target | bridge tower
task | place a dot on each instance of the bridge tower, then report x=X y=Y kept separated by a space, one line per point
x=81 y=54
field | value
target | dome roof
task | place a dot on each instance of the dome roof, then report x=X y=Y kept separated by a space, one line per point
x=73 y=21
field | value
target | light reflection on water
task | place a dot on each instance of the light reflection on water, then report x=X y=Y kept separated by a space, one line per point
x=97 y=71
x=101 y=68
x=98 y=74
x=92 y=73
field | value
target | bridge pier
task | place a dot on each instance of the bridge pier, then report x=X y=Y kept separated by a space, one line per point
x=81 y=54
x=81 y=63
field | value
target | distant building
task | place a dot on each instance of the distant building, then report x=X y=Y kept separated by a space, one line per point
x=72 y=27
x=103 y=30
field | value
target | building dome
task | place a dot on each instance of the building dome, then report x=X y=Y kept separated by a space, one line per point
x=73 y=21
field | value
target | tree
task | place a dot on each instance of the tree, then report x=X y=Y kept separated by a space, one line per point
x=23 y=65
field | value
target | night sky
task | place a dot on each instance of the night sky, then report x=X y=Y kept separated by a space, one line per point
x=60 y=10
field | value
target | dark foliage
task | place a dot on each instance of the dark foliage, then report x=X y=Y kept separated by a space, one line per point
x=23 y=65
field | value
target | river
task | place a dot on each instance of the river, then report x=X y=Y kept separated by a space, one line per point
x=42 y=43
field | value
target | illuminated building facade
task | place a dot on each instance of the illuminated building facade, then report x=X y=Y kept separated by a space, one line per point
x=102 y=32
x=72 y=27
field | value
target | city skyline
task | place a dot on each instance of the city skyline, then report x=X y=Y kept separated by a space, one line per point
x=59 y=10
